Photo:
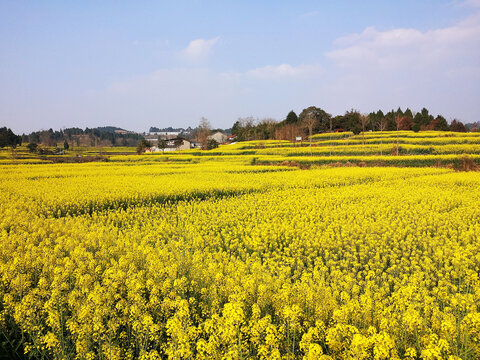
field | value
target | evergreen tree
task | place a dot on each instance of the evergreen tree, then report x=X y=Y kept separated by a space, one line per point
x=457 y=126
x=292 y=118
x=8 y=138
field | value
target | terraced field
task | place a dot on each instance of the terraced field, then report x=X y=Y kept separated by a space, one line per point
x=228 y=254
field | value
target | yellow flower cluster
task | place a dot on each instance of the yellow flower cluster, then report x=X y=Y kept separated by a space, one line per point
x=352 y=149
x=225 y=260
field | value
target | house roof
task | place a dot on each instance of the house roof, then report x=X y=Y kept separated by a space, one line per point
x=179 y=138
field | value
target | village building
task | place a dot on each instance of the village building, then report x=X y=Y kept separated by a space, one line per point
x=172 y=145
x=178 y=143
x=219 y=137
x=195 y=144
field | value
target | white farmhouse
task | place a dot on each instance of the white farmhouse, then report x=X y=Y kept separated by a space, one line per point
x=219 y=137
x=172 y=145
x=178 y=143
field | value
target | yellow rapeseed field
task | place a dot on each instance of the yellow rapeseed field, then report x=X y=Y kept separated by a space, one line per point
x=222 y=259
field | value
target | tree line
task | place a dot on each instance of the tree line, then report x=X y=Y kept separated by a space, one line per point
x=313 y=120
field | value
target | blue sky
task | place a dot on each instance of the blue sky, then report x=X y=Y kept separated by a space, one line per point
x=168 y=63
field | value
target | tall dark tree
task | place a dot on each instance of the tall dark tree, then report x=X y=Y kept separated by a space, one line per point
x=439 y=124
x=374 y=123
x=399 y=112
x=237 y=129
x=323 y=119
x=457 y=126
x=9 y=139
x=349 y=122
x=408 y=113
x=390 y=121
x=291 y=118
x=422 y=119
x=375 y=119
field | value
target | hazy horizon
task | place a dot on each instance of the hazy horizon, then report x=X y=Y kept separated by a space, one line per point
x=134 y=65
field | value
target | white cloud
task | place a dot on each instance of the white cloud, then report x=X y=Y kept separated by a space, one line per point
x=198 y=49
x=283 y=71
x=472 y=3
x=403 y=48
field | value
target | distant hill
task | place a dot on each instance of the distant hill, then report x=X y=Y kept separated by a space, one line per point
x=108 y=129
x=475 y=126
x=98 y=136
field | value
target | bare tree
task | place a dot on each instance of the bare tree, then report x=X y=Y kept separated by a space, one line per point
x=382 y=125
x=245 y=128
x=309 y=122
x=364 y=119
x=288 y=132
x=203 y=132
x=398 y=120
x=266 y=128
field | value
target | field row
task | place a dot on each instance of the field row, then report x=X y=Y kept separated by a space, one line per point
x=339 y=150
x=72 y=189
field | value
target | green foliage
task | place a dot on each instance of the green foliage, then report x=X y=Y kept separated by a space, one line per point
x=249 y=129
x=8 y=138
x=423 y=118
x=439 y=124
x=32 y=147
x=142 y=145
x=322 y=118
x=350 y=122
x=376 y=121
x=408 y=113
x=292 y=118
x=162 y=143
x=212 y=144
x=246 y=129
x=237 y=130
